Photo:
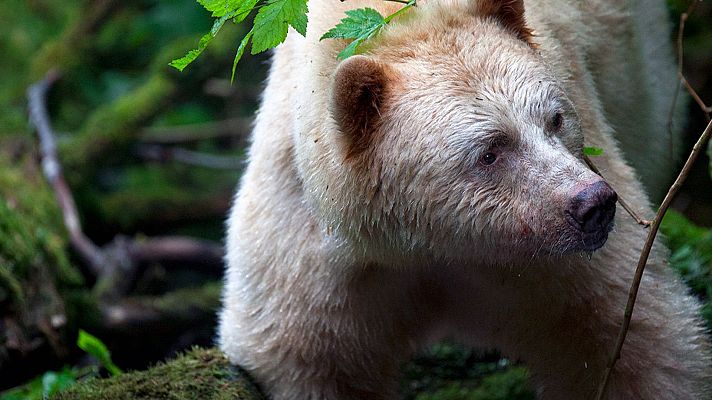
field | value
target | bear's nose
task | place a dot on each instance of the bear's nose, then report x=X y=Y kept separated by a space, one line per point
x=594 y=207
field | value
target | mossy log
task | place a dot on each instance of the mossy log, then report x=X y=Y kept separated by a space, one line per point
x=199 y=374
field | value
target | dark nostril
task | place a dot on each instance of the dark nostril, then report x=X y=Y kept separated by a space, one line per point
x=594 y=207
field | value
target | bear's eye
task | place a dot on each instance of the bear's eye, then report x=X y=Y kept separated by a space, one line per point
x=488 y=158
x=557 y=121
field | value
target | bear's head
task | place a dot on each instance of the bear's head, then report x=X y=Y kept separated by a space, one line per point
x=453 y=137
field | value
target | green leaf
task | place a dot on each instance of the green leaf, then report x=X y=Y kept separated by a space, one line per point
x=360 y=25
x=238 y=11
x=244 y=10
x=184 y=61
x=240 y=51
x=94 y=346
x=272 y=22
x=592 y=151
x=54 y=382
x=220 y=7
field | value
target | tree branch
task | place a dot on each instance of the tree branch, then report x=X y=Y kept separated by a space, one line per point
x=115 y=264
x=205 y=160
x=707 y=110
x=39 y=119
x=232 y=127
x=633 y=292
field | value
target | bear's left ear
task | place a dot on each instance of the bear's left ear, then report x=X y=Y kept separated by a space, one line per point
x=358 y=93
x=509 y=13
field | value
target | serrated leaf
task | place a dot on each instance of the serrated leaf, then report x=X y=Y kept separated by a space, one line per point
x=240 y=51
x=272 y=22
x=220 y=7
x=94 y=346
x=184 y=61
x=351 y=49
x=358 y=23
x=592 y=151
x=244 y=10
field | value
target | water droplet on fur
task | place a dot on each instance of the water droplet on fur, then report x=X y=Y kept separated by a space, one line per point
x=589 y=255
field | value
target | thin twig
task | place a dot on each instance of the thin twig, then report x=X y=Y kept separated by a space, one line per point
x=228 y=128
x=707 y=110
x=633 y=293
x=37 y=95
x=622 y=202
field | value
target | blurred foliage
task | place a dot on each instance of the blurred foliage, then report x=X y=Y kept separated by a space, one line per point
x=94 y=346
x=691 y=256
x=41 y=291
x=44 y=386
x=114 y=57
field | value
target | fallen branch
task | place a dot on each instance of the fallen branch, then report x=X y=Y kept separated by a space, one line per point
x=195 y=158
x=39 y=119
x=229 y=128
x=633 y=293
x=115 y=265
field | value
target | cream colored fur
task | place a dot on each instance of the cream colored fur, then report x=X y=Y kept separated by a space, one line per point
x=339 y=268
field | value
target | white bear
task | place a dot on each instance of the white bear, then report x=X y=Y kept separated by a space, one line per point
x=434 y=187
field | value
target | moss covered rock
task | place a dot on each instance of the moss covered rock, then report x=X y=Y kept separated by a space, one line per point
x=199 y=374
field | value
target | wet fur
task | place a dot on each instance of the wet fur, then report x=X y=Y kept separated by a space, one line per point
x=341 y=263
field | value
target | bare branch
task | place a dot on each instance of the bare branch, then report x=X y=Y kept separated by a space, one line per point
x=233 y=127
x=707 y=110
x=633 y=293
x=37 y=95
x=164 y=154
x=117 y=263
x=176 y=251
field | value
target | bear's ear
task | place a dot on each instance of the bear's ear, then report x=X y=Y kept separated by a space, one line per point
x=357 y=96
x=509 y=13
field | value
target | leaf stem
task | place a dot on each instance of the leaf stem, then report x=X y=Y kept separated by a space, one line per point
x=408 y=5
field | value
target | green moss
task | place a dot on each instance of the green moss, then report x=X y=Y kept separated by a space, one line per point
x=112 y=128
x=205 y=297
x=162 y=193
x=35 y=270
x=451 y=372
x=32 y=234
x=510 y=384
x=199 y=374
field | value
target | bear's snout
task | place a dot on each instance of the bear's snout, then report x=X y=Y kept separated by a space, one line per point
x=591 y=211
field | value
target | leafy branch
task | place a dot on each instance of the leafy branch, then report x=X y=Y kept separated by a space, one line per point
x=273 y=19
x=269 y=27
x=360 y=25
